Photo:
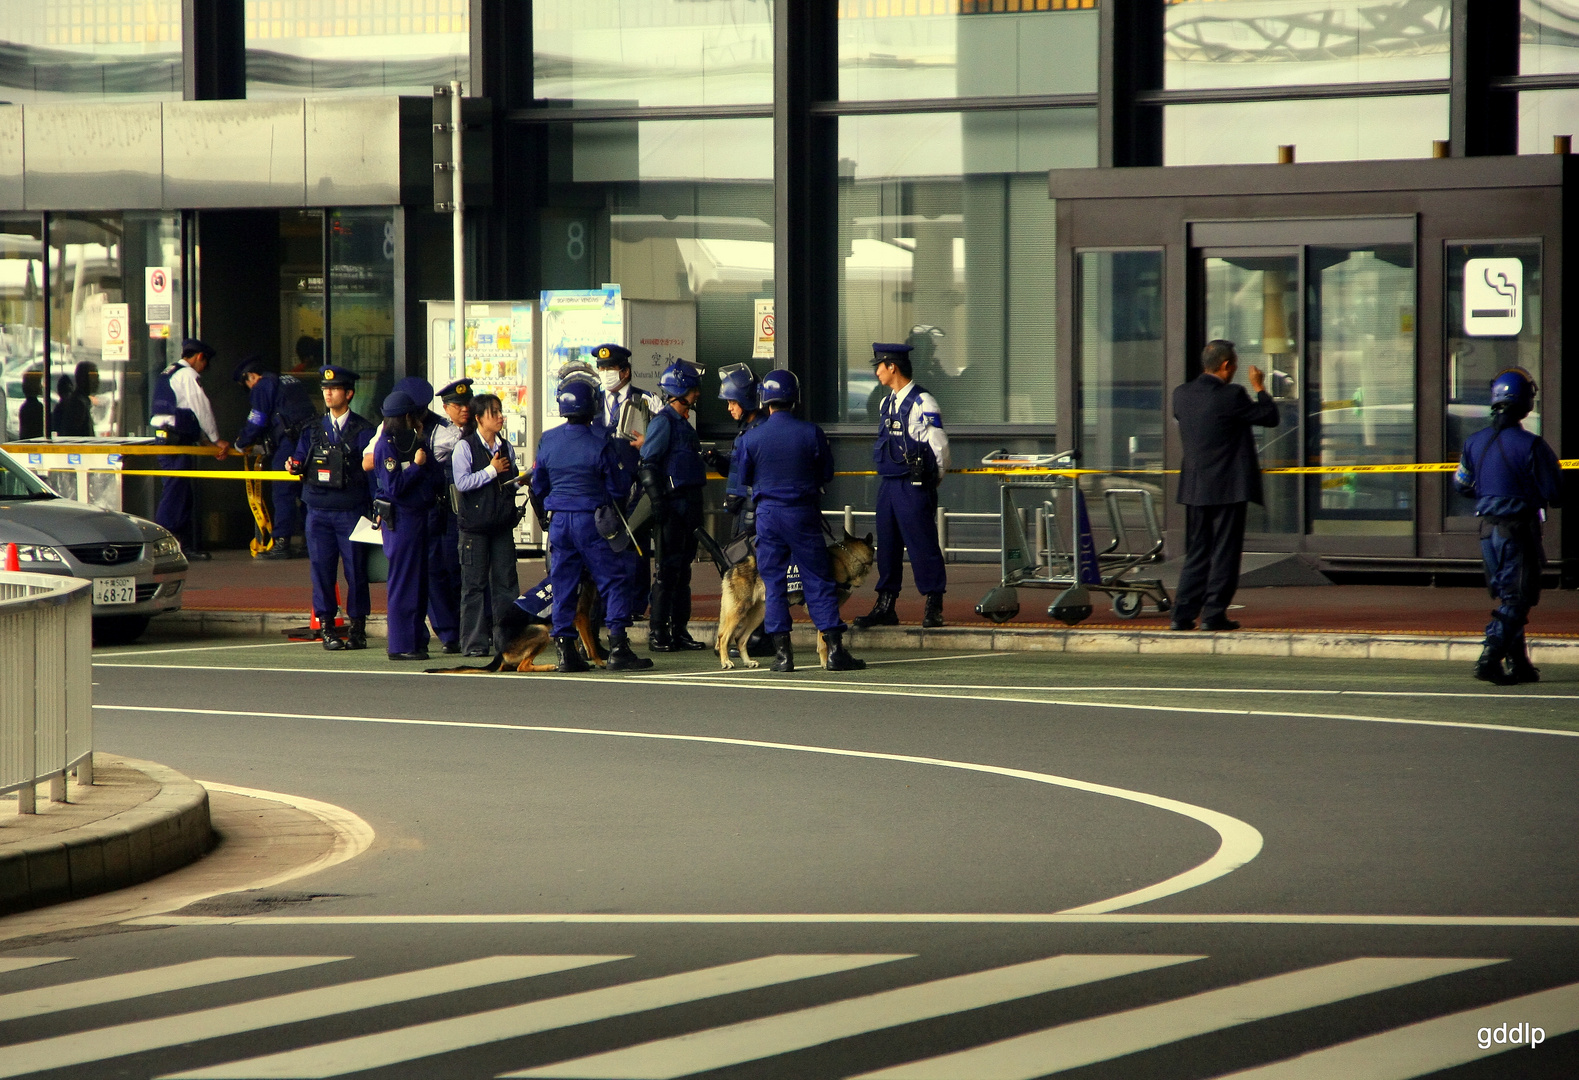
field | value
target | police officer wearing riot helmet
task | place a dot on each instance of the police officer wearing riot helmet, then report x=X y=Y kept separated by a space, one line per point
x=1513 y=476
x=673 y=475
x=328 y=458
x=737 y=388
x=182 y=416
x=278 y=409
x=407 y=481
x=786 y=462
x=580 y=482
x=912 y=453
x=486 y=478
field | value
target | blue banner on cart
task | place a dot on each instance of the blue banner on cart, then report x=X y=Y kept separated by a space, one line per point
x=1085 y=545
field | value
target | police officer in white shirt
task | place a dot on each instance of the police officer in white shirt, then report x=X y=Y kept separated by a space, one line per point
x=182 y=416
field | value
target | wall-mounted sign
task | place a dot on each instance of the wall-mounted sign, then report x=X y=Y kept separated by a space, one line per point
x=1493 y=297
x=763 y=349
x=114 y=336
x=157 y=305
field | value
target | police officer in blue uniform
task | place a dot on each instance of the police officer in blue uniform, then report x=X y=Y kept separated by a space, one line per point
x=580 y=481
x=737 y=388
x=911 y=453
x=1513 y=476
x=328 y=458
x=444 y=536
x=673 y=474
x=407 y=481
x=279 y=408
x=786 y=463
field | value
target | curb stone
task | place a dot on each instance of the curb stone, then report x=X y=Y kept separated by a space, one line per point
x=155 y=837
x=1327 y=644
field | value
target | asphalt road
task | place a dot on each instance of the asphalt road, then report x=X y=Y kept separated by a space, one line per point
x=972 y=867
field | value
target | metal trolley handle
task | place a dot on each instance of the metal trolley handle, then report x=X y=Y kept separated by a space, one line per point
x=1032 y=461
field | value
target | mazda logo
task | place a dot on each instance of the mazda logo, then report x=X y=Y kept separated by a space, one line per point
x=110 y=554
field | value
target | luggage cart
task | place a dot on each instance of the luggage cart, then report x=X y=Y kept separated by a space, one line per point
x=1046 y=561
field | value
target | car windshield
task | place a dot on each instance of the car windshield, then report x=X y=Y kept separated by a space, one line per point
x=17 y=483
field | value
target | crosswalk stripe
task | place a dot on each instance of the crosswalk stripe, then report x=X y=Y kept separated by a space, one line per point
x=1102 y=1038
x=97 y=1045
x=22 y=963
x=514 y=1021
x=1430 y=1045
x=750 y=1040
x=76 y=995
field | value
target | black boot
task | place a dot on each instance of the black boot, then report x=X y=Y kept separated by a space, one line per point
x=621 y=658
x=783 y=653
x=570 y=658
x=332 y=641
x=357 y=637
x=759 y=644
x=934 y=612
x=1520 y=670
x=839 y=658
x=681 y=641
x=1489 y=667
x=659 y=638
x=882 y=613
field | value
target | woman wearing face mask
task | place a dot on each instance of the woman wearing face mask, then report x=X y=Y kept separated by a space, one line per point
x=407 y=486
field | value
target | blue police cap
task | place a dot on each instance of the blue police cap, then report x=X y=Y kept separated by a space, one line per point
x=399 y=403
x=250 y=364
x=420 y=389
x=458 y=392
x=334 y=375
x=611 y=355
x=888 y=352
x=191 y=346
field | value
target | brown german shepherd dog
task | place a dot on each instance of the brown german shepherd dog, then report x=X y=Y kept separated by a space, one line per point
x=742 y=604
x=530 y=635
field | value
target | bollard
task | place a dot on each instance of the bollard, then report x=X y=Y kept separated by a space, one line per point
x=57 y=787
x=85 y=772
x=849 y=520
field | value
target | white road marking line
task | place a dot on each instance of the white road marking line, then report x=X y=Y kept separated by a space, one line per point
x=79 y=1048
x=1442 y=1043
x=1063 y=689
x=22 y=963
x=1238 y=841
x=514 y=1021
x=854 y=688
x=77 y=995
x=212 y=648
x=1102 y=1038
x=751 y=1040
x=881 y=917
x=352 y=835
x=731 y=673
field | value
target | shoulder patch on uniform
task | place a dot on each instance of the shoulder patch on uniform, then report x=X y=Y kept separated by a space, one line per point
x=389 y=464
x=256 y=416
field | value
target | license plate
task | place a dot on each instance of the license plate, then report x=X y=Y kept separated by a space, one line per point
x=115 y=590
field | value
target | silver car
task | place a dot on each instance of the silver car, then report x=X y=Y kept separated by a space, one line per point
x=136 y=567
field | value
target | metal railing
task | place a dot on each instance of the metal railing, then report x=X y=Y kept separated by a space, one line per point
x=944 y=517
x=46 y=684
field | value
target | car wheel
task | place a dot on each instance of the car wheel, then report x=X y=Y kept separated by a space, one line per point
x=118 y=629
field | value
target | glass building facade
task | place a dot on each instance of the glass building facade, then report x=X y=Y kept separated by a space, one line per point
x=878 y=170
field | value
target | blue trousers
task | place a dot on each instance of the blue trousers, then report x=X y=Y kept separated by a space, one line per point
x=793 y=534
x=175 y=500
x=329 y=548
x=444 y=574
x=578 y=546
x=907 y=519
x=1512 y=554
x=406 y=547
x=286 y=496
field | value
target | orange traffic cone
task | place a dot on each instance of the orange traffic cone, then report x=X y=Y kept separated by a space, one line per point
x=12 y=562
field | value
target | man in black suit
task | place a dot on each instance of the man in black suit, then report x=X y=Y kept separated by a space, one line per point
x=1221 y=475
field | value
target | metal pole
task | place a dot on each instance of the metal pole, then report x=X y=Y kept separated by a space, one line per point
x=849 y=519
x=458 y=218
x=943 y=532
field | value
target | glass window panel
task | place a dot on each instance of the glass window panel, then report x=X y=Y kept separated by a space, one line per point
x=1549 y=37
x=675 y=211
x=22 y=326
x=653 y=52
x=362 y=301
x=74 y=50
x=1253 y=301
x=966 y=48
x=1360 y=409
x=947 y=239
x=1472 y=362
x=1231 y=43
x=1543 y=114
x=1119 y=299
x=1342 y=129
x=301 y=291
x=310 y=47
